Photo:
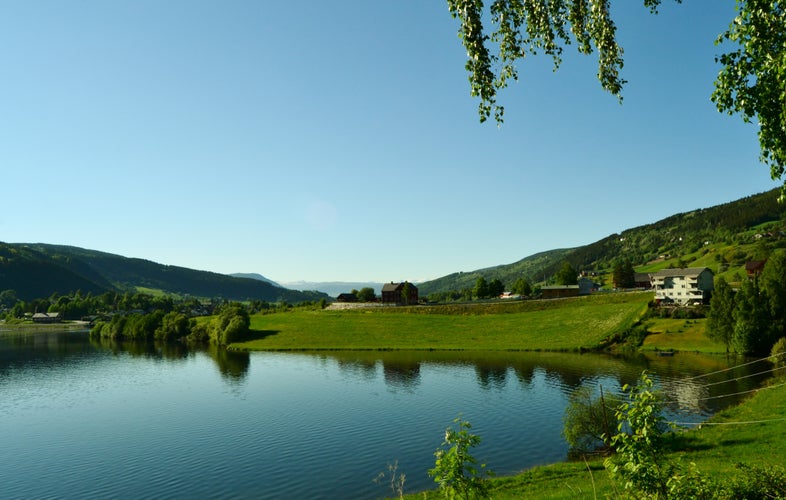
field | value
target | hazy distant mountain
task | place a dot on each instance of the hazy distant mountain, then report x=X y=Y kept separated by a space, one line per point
x=333 y=288
x=256 y=276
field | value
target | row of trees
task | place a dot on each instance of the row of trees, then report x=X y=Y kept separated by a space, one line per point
x=752 y=319
x=77 y=305
x=484 y=289
x=230 y=324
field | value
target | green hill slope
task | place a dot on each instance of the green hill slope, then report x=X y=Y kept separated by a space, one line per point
x=38 y=270
x=722 y=237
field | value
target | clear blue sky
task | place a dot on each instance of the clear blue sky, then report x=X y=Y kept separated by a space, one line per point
x=324 y=141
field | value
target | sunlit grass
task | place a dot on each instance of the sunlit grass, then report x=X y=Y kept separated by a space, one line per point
x=575 y=324
x=680 y=335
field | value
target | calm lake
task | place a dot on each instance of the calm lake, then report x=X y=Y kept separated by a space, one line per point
x=90 y=419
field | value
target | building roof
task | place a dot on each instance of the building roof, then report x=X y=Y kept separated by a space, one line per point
x=754 y=265
x=47 y=315
x=392 y=287
x=683 y=271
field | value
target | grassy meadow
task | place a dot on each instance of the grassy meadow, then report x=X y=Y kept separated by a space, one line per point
x=686 y=335
x=554 y=325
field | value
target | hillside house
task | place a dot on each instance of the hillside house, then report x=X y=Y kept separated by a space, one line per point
x=754 y=268
x=642 y=280
x=392 y=293
x=688 y=285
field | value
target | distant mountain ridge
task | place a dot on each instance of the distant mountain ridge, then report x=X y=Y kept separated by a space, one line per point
x=333 y=288
x=37 y=270
x=256 y=276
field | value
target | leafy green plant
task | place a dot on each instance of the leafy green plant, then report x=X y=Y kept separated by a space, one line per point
x=640 y=461
x=455 y=470
x=778 y=353
x=757 y=482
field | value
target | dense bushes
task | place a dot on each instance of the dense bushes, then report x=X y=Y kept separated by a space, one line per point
x=231 y=325
x=751 y=320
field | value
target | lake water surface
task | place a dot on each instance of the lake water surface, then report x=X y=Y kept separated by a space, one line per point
x=84 y=419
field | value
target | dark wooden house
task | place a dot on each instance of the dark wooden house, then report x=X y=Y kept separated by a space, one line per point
x=754 y=268
x=347 y=297
x=559 y=291
x=393 y=293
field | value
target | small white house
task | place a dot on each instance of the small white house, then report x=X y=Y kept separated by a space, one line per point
x=688 y=285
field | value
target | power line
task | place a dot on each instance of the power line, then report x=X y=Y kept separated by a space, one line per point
x=745 y=376
x=743 y=392
x=734 y=367
x=728 y=395
x=746 y=422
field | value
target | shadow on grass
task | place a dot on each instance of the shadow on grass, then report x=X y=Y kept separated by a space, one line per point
x=691 y=443
x=682 y=442
x=260 y=334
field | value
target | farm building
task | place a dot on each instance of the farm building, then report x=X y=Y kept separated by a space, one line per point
x=393 y=293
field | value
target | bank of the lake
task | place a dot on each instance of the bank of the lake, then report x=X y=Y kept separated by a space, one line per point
x=582 y=323
x=750 y=434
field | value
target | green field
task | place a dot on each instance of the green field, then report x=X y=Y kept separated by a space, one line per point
x=685 y=335
x=568 y=324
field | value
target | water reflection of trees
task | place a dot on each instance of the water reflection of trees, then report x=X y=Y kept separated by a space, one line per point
x=23 y=348
x=403 y=375
x=233 y=365
x=491 y=376
x=494 y=371
x=362 y=368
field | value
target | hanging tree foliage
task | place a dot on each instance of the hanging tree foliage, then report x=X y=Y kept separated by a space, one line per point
x=752 y=81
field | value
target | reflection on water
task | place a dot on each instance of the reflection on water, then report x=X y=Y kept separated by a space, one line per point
x=101 y=418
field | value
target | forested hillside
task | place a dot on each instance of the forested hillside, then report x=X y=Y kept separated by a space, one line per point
x=39 y=270
x=723 y=236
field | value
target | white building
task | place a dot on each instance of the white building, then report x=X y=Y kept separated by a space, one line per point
x=689 y=285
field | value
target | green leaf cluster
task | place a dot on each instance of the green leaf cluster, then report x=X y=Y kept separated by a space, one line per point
x=640 y=462
x=521 y=28
x=455 y=470
x=752 y=81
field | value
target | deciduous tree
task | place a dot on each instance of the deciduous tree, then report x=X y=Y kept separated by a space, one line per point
x=521 y=286
x=752 y=80
x=366 y=294
x=567 y=275
x=495 y=288
x=481 y=290
x=751 y=320
x=720 y=320
x=773 y=285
